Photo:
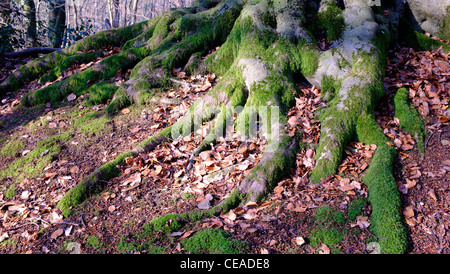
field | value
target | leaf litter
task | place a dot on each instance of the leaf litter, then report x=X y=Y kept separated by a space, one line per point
x=156 y=183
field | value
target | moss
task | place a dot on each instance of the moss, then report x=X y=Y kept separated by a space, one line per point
x=328 y=216
x=91 y=185
x=31 y=71
x=90 y=123
x=309 y=60
x=10 y=192
x=419 y=41
x=69 y=62
x=329 y=236
x=13 y=147
x=119 y=102
x=355 y=208
x=213 y=241
x=409 y=118
x=384 y=197
x=53 y=140
x=100 y=93
x=328 y=229
x=332 y=20
x=33 y=163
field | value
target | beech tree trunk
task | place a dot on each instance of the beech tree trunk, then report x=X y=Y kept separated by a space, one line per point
x=57 y=22
x=265 y=48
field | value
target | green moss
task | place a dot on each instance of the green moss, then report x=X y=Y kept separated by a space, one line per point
x=55 y=139
x=309 y=60
x=419 y=41
x=355 y=208
x=328 y=216
x=384 y=197
x=119 y=101
x=329 y=236
x=168 y=224
x=328 y=229
x=10 y=192
x=100 y=93
x=69 y=62
x=332 y=21
x=33 y=163
x=13 y=147
x=90 y=123
x=213 y=241
x=410 y=119
x=93 y=241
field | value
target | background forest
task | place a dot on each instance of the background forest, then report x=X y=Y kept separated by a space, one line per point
x=59 y=23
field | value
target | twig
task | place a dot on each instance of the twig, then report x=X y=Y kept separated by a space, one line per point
x=29 y=223
x=82 y=220
x=429 y=137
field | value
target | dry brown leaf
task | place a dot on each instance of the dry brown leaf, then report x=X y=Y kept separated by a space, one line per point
x=299 y=240
x=324 y=249
x=409 y=212
x=57 y=233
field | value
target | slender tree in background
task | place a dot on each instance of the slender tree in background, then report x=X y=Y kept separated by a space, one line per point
x=57 y=22
x=29 y=21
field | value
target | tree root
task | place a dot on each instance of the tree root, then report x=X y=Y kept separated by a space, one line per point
x=264 y=45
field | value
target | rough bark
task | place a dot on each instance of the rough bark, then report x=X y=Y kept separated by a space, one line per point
x=57 y=22
x=264 y=47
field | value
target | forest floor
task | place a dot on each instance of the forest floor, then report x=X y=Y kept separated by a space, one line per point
x=44 y=151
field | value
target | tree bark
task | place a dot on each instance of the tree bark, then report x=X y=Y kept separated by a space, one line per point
x=29 y=12
x=57 y=22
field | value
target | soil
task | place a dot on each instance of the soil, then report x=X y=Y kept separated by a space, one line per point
x=155 y=183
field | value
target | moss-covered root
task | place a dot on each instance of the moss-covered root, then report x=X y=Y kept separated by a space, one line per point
x=409 y=118
x=386 y=221
x=94 y=183
x=353 y=72
x=31 y=71
x=275 y=164
x=196 y=32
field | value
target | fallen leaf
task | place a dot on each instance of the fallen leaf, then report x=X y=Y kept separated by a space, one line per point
x=125 y=111
x=25 y=195
x=299 y=240
x=432 y=195
x=324 y=249
x=74 y=169
x=135 y=130
x=3 y=237
x=447 y=162
x=71 y=97
x=57 y=233
x=409 y=212
x=187 y=234
x=175 y=234
x=74 y=248
x=362 y=222
x=111 y=208
x=250 y=214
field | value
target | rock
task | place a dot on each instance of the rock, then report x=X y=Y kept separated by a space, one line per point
x=206 y=204
x=430 y=18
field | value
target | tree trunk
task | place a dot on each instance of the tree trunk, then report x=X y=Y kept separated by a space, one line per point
x=266 y=47
x=29 y=12
x=57 y=22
